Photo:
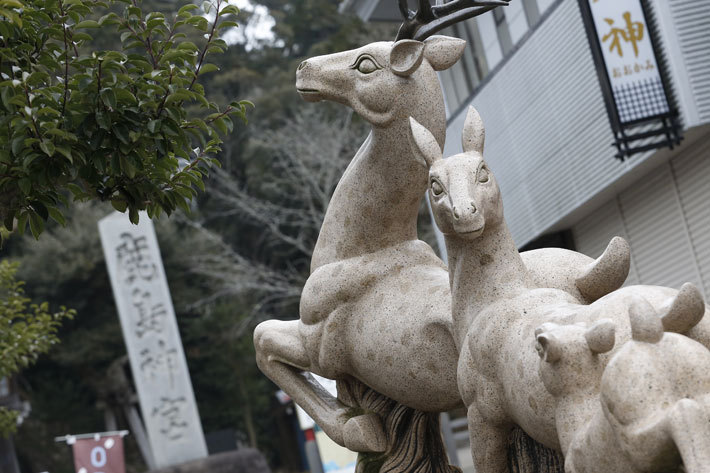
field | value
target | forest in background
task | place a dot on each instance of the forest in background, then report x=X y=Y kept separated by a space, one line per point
x=240 y=256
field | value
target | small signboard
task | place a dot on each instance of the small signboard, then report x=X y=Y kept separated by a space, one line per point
x=631 y=75
x=152 y=339
x=99 y=455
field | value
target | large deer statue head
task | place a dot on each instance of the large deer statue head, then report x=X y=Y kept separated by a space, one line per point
x=385 y=81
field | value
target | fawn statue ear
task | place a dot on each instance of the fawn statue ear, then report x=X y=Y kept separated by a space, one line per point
x=442 y=52
x=423 y=144
x=601 y=336
x=646 y=325
x=548 y=347
x=406 y=56
x=474 y=134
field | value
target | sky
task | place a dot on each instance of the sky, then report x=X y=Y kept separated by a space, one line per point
x=257 y=30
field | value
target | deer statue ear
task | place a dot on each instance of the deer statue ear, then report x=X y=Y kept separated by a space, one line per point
x=548 y=347
x=406 y=56
x=474 y=134
x=601 y=336
x=423 y=144
x=442 y=52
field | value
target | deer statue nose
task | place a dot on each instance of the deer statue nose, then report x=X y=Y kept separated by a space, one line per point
x=473 y=207
x=456 y=213
x=302 y=66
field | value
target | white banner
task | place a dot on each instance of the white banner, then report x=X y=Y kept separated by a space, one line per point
x=630 y=62
x=152 y=339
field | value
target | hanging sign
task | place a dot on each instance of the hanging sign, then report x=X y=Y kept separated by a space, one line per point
x=632 y=79
x=99 y=454
x=630 y=62
x=150 y=331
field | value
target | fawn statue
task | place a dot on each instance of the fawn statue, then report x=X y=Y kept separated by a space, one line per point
x=647 y=410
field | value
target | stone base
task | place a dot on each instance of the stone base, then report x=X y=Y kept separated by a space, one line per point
x=245 y=460
x=527 y=456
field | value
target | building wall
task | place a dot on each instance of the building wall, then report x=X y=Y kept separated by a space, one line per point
x=665 y=218
x=548 y=134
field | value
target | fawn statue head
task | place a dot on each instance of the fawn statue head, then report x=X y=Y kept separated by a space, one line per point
x=382 y=81
x=569 y=354
x=464 y=195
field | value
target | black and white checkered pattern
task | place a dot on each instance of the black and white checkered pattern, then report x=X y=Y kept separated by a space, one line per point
x=639 y=100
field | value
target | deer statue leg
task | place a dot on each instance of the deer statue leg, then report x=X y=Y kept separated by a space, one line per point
x=281 y=356
x=489 y=443
x=687 y=424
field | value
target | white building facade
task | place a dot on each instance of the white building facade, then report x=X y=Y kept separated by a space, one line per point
x=529 y=71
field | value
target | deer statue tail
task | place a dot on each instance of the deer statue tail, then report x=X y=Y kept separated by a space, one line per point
x=687 y=424
x=607 y=273
x=685 y=311
x=414 y=443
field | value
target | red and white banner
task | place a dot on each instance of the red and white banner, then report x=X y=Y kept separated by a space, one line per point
x=104 y=455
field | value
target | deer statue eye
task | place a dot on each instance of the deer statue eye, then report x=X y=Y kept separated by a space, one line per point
x=436 y=187
x=483 y=175
x=366 y=65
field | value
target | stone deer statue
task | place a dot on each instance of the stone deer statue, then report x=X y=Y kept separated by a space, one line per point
x=376 y=309
x=648 y=409
x=497 y=303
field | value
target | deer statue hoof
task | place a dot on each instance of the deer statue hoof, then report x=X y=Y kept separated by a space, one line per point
x=364 y=433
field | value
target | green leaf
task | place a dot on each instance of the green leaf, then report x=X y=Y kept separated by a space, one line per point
x=76 y=190
x=230 y=9
x=41 y=209
x=108 y=97
x=87 y=24
x=119 y=204
x=66 y=152
x=22 y=223
x=208 y=67
x=187 y=8
x=47 y=147
x=25 y=185
x=133 y=215
x=227 y=24
x=153 y=125
x=36 y=225
x=57 y=216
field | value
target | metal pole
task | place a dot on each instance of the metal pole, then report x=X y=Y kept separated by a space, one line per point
x=312 y=453
x=449 y=440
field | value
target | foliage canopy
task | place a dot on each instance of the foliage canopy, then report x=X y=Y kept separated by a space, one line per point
x=106 y=125
x=25 y=332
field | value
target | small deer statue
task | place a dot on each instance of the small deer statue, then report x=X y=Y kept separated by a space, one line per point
x=376 y=309
x=648 y=409
x=497 y=303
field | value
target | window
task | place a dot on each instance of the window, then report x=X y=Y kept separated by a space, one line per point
x=506 y=43
x=532 y=12
x=462 y=79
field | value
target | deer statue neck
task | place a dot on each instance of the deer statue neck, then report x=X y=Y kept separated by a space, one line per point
x=376 y=202
x=482 y=271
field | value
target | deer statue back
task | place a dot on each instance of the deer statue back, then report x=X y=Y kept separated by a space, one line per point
x=375 y=313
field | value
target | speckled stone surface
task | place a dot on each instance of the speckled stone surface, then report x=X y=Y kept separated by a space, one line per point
x=644 y=411
x=498 y=305
x=377 y=306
